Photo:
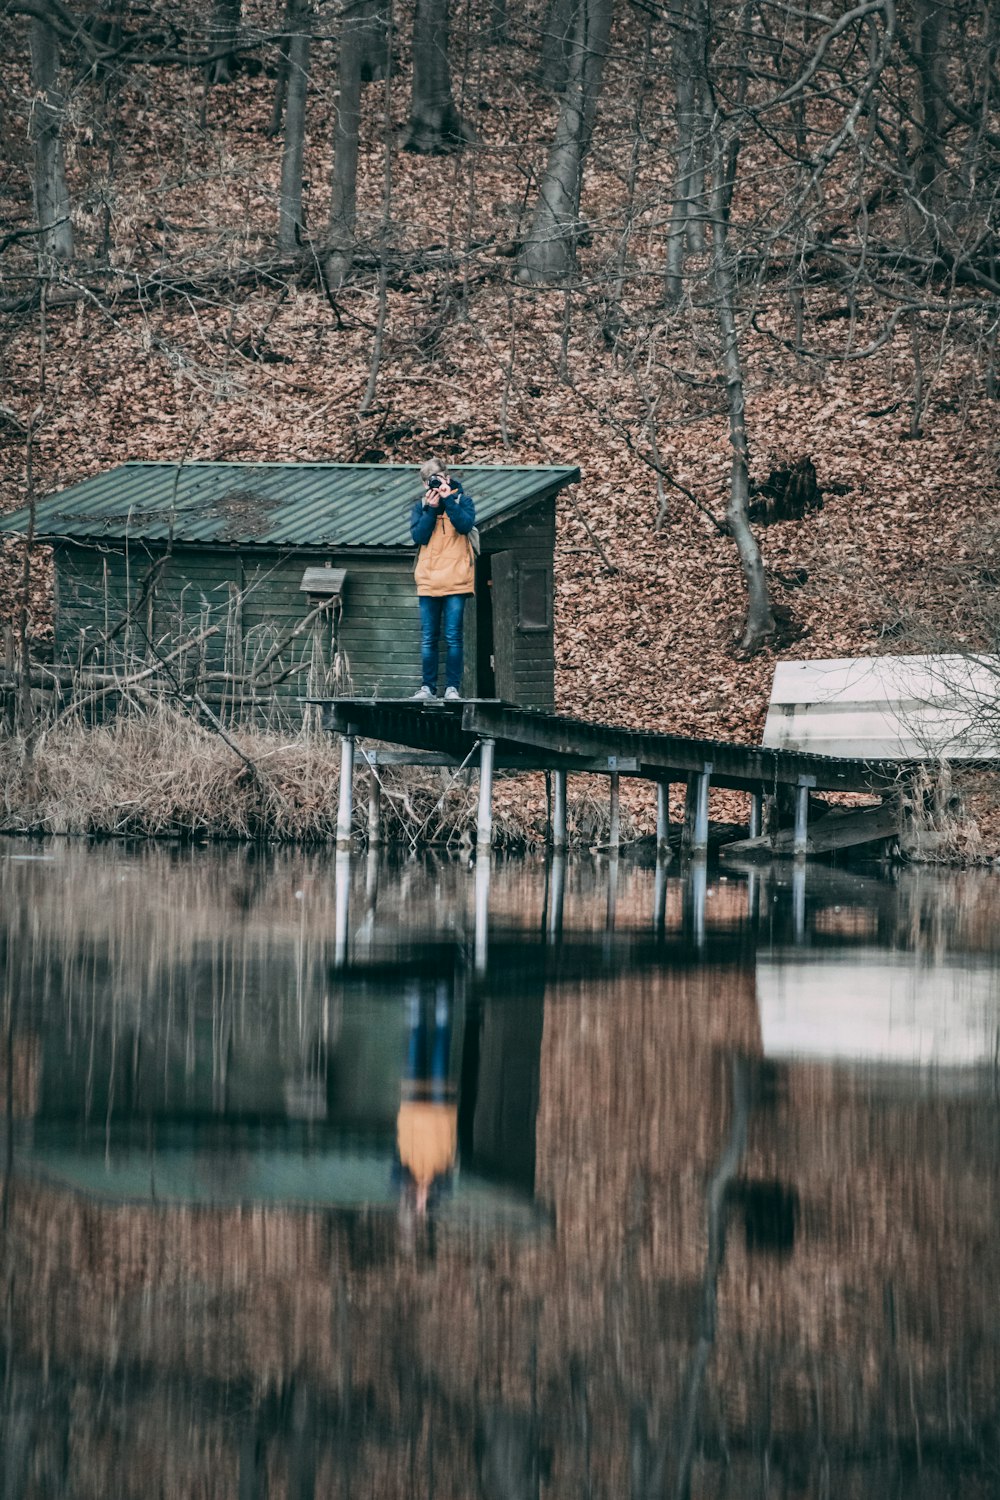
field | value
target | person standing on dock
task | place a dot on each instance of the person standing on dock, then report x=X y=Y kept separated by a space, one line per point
x=442 y=525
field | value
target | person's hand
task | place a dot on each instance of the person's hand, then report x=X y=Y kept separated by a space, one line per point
x=431 y=498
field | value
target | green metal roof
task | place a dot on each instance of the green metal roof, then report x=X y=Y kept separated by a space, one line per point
x=272 y=504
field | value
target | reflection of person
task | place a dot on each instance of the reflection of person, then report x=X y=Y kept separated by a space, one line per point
x=427 y=1124
x=445 y=574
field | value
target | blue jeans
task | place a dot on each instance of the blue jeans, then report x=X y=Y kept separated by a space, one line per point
x=449 y=610
x=429 y=1047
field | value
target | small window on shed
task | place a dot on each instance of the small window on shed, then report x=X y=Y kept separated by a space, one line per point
x=534 y=598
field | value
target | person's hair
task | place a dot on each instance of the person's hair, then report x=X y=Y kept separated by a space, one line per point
x=431 y=467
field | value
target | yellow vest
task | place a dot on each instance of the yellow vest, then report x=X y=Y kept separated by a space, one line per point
x=446 y=564
x=427 y=1135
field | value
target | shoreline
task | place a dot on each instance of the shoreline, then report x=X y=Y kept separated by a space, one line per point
x=166 y=778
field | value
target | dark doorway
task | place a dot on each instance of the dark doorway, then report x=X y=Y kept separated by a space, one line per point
x=503 y=598
x=485 y=680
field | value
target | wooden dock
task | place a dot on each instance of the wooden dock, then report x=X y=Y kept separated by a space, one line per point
x=489 y=735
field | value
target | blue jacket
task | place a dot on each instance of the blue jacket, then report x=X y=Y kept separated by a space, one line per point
x=458 y=507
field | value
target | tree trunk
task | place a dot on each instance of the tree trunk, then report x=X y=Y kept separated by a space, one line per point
x=223 y=31
x=281 y=81
x=291 y=221
x=498 y=22
x=346 y=135
x=549 y=252
x=687 y=229
x=435 y=126
x=374 y=41
x=759 y=620
x=48 y=108
x=929 y=166
x=557 y=33
x=719 y=1185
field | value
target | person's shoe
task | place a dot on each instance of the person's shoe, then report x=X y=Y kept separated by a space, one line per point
x=425 y=694
x=452 y=695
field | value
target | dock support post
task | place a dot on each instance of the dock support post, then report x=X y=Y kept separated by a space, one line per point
x=662 y=820
x=799 y=902
x=756 y=806
x=341 y=906
x=481 y=954
x=615 y=835
x=800 y=838
x=557 y=893
x=753 y=898
x=345 y=807
x=371 y=894
x=696 y=810
x=612 y=893
x=374 y=807
x=660 y=896
x=558 y=812
x=484 y=821
x=697 y=892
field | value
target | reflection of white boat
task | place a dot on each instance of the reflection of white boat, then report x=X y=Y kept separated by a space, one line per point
x=866 y=1004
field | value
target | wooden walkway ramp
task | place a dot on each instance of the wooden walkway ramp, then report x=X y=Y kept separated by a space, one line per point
x=492 y=735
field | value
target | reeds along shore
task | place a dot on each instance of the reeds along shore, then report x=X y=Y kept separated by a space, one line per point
x=127 y=754
x=163 y=774
x=128 y=742
x=165 y=771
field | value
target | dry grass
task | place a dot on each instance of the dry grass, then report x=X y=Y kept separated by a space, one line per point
x=943 y=827
x=160 y=774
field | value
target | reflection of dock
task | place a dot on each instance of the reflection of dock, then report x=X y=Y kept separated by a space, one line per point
x=353 y=937
x=840 y=1235
x=491 y=736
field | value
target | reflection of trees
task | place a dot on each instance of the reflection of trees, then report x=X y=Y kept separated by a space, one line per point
x=268 y=1352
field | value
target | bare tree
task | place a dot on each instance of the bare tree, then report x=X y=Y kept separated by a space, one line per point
x=759 y=618
x=346 y=138
x=549 y=251
x=52 y=205
x=687 y=228
x=928 y=169
x=435 y=125
x=291 y=222
x=554 y=51
x=281 y=79
x=224 y=29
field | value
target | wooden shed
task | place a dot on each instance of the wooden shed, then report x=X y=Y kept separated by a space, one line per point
x=260 y=584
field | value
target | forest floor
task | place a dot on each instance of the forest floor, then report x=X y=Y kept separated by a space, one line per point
x=478 y=369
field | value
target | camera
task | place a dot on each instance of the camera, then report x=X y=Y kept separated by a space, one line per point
x=436 y=482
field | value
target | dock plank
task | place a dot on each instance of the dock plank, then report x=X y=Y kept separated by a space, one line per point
x=560 y=743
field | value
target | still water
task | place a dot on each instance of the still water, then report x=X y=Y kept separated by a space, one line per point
x=386 y=1179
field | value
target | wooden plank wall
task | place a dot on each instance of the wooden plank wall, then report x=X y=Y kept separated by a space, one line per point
x=531 y=538
x=253 y=596
x=272 y=604
x=93 y=588
x=380 y=630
